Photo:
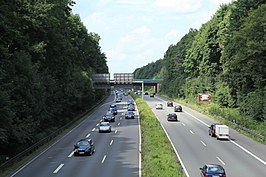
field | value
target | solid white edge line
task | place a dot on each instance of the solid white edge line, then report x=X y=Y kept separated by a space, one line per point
x=196 y=118
x=104 y=157
x=71 y=154
x=29 y=162
x=179 y=158
x=245 y=150
x=203 y=143
x=220 y=160
x=58 y=168
x=260 y=160
x=111 y=142
x=139 y=143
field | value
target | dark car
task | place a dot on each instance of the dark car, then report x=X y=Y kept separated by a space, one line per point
x=113 y=106
x=212 y=170
x=130 y=102
x=170 y=104
x=84 y=147
x=130 y=115
x=131 y=107
x=113 y=111
x=212 y=130
x=178 y=108
x=152 y=95
x=108 y=117
x=146 y=93
x=172 y=117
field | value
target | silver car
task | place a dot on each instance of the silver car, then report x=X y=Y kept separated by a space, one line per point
x=104 y=127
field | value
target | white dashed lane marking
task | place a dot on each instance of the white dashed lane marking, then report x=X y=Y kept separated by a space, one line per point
x=220 y=160
x=58 y=168
x=203 y=143
x=88 y=135
x=104 y=157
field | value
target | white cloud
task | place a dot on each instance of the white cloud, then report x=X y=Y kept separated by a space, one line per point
x=173 y=35
x=178 y=6
x=136 y=32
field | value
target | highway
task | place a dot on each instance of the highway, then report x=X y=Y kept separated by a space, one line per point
x=240 y=155
x=117 y=153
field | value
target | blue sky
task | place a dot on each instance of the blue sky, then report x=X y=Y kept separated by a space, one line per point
x=137 y=32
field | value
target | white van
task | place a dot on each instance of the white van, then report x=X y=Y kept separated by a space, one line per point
x=221 y=131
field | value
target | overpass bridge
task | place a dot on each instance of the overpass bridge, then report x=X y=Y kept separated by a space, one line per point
x=124 y=80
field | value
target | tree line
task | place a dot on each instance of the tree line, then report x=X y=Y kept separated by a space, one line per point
x=47 y=61
x=225 y=57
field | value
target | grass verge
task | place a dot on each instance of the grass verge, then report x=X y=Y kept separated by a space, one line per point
x=158 y=156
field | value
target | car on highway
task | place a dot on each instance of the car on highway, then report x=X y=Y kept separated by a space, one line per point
x=178 y=108
x=113 y=111
x=212 y=129
x=84 y=147
x=152 y=95
x=104 y=127
x=146 y=93
x=130 y=115
x=109 y=117
x=159 y=106
x=212 y=170
x=170 y=104
x=131 y=107
x=172 y=117
x=113 y=106
x=130 y=101
x=117 y=100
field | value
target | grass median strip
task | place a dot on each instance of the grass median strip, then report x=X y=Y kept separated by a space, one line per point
x=158 y=156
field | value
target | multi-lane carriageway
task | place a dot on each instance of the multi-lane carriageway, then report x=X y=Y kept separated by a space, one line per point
x=240 y=156
x=118 y=153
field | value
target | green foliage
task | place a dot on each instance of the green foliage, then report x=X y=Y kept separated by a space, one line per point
x=47 y=59
x=223 y=95
x=150 y=71
x=225 y=57
x=156 y=159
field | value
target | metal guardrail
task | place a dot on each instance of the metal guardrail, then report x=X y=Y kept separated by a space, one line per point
x=45 y=140
x=257 y=135
x=249 y=131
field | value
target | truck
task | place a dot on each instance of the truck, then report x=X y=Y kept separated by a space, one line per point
x=221 y=131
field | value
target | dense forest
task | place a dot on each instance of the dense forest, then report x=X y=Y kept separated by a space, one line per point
x=226 y=57
x=47 y=61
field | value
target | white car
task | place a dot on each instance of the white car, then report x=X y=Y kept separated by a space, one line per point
x=159 y=106
x=104 y=127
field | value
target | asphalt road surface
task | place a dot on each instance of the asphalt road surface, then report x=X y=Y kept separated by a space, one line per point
x=117 y=153
x=240 y=155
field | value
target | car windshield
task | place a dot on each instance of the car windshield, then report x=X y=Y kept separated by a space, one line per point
x=215 y=169
x=130 y=113
x=83 y=143
x=104 y=124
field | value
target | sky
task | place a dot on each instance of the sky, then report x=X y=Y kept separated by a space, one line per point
x=137 y=32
